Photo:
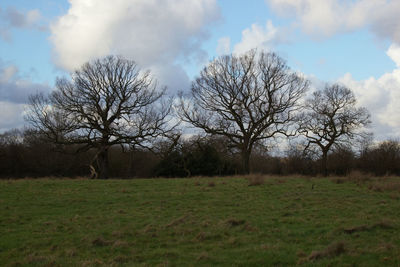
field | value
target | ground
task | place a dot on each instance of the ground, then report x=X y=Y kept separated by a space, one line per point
x=252 y=221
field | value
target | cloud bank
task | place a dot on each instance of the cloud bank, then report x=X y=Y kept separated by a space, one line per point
x=157 y=34
x=328 y=17
x=380 y=96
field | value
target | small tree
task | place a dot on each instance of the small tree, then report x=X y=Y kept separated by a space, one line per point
x=106 y=102
x=331 y=118
x=247 y=99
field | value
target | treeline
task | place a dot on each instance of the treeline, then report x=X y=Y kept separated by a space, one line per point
x=23 y=153
x=111 y=119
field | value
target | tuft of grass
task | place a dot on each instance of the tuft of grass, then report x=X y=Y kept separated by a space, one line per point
x=120 y=244
x=203 y=256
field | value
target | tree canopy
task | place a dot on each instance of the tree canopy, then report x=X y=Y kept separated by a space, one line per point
x=108 y=101
x=331 y=118
x=246 y=98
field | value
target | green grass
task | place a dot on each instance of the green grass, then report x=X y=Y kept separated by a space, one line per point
x=203 y=221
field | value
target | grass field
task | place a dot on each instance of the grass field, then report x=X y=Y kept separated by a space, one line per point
x=201 y=221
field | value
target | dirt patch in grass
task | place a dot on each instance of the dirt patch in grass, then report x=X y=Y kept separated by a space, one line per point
x=333 y=250
x=36 y=259
x=234 y=222
x=362 y=228
x=101 y=242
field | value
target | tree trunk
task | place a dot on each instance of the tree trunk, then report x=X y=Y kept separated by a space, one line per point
x=103 y=163
x=324 y=163
x=246 y=161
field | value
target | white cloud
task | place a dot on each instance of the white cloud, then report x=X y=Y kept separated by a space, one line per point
x=154 y=33
x=257 y=37
x=394 y=53
x=224 y=46
x=380 y=96
x=327 y=17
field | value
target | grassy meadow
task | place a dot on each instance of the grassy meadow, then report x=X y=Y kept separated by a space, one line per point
x=201 y=221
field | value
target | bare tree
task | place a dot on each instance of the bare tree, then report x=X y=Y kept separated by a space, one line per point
x=332 y=118
x=247 y=98
x=106 y=102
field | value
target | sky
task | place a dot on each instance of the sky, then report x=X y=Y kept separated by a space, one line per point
x=352 y=42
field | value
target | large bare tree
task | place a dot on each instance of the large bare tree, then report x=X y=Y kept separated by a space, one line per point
x=106 y=102
x=331 y=118
x=247 y=98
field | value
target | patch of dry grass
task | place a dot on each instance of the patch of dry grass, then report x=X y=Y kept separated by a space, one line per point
x=211 y=184
x=384 y=224
x=255 y=179
x=385 y=185
x=333 y=250
x=178 y=221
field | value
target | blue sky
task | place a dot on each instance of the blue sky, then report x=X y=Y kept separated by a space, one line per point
x=352 y=42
